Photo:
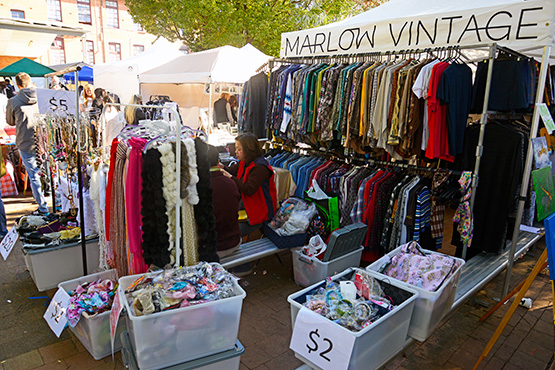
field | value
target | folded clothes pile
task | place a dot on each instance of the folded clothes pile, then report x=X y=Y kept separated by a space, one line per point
x=49 y=230
x=182 y=287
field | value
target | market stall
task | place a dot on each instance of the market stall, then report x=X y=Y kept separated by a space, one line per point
x=196 y=80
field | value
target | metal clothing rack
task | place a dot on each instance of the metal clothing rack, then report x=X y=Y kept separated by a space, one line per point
x=494 y=48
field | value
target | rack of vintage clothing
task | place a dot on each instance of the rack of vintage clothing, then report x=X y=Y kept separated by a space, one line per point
x=158 y=212
x=399 y=202
x=159 y=108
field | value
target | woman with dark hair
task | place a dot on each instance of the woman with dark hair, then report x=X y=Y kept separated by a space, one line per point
x=254 y=178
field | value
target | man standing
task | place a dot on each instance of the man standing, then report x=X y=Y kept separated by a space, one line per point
x=20 y=113
x=222 y=110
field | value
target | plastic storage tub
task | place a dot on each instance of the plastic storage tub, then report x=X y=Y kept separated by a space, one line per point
x=310 y=270
x=430 y=307
x=379 y=342
x=52 y=265
x=226 y=360
x=183 y=334
x=94 y=332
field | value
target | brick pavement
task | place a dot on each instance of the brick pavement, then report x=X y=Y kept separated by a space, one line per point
x=265 y=330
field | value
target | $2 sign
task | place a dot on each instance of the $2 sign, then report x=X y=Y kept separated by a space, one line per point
x=322 y=354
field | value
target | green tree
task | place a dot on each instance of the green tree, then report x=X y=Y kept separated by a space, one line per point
x=205 y=24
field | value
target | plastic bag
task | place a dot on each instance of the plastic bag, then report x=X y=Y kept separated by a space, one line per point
x=315 y=248
x=315 y=192
x=293 y=217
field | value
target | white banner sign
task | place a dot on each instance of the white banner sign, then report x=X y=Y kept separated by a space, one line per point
x=55 y=314
x=56 y=102
x=321 y=341
x=8 y=243
x=408 y=25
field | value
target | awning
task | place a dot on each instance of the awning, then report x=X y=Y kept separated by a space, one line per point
x=29 y=66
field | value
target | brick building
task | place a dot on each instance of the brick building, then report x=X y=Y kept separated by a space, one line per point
x=110 y=33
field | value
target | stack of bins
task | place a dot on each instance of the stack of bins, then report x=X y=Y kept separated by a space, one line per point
x=430 y=307
x=377 y=343
x=94 y=331
x=184 y=334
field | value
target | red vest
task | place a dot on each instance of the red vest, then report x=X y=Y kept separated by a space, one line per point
x=260 y=206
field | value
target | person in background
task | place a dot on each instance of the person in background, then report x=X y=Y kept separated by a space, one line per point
x=98 y=102
x=10 y=89
x=56 y=84
x=20 y=113
x=226 y=199
x=134 y=114
x=87 y=98
x=254 y=178
x=234 y=105
x=222 y=110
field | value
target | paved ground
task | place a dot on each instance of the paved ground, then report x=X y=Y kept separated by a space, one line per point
x=265 y=330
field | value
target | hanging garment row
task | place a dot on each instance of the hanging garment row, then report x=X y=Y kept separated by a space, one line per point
x=397 y=205
x=141 y=202
x=404 y=106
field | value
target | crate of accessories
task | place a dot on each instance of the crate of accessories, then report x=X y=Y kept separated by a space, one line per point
x=179 y=315
x=90 y=304
x=378 y=317
x=51 y=265
x=434 y=275
x=226 y=360
x=316 y=261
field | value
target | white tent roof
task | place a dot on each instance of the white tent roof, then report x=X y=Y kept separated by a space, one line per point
x=226 y=64
x=407 y=24
x=159 y=53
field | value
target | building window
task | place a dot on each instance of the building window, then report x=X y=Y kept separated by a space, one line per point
x=84 y=10
x=112 y=13
x=20 y=14
x=54 y=8
x=138 y=27
x=138 y=49
x=57 y=51
x=114 y=49
x=89 y=51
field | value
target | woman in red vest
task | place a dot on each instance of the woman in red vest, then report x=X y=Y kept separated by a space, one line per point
x=255 y=180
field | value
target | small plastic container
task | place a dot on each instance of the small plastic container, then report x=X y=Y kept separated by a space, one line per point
x=52 y=265
x=379 y=342
x=430 y=307
x=184 y=334
x=284 y=242
x=310 y=270
x=226 y=360
x=94 y=332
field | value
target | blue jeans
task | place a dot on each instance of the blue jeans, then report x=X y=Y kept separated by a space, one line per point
x=3 y=229
x=30 y=163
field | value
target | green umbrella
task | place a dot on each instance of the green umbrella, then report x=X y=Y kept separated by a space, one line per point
x=32 y=68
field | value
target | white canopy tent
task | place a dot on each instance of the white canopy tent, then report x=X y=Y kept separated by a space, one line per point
x=522 y=25
x=189 y=79
x=527 y=26
x=121 y=77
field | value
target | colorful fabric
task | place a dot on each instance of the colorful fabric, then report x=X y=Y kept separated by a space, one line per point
x=463 y=215
x=8 y=187
x=93 y=298
x=413 y=266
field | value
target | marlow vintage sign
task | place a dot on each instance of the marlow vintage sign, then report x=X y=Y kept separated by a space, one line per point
x=527 y=23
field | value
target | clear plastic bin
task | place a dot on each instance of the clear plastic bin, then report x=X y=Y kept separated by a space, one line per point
x=430 y=307
x=226 y=360
x=183 y=334
x=94 y=332
x=52 y=265
x=379 y=342
x=310 y=270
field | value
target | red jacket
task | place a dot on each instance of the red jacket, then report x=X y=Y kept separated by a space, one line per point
x=260 y=205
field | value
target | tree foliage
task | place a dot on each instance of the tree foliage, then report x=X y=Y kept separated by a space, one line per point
x=205 y=24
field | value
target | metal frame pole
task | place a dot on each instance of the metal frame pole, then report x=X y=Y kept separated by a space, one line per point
x=80 y=175
x=483 y=122
x=527 y=167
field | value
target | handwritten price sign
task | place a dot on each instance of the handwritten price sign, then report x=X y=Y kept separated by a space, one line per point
x=55 y=314
x=57 y=102
x=321 y=341
x=8 y=243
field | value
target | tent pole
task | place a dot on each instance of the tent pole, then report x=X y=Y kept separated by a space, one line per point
x=527 y=167
x=80 y=176
x=483 y=122
x=210 y=110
